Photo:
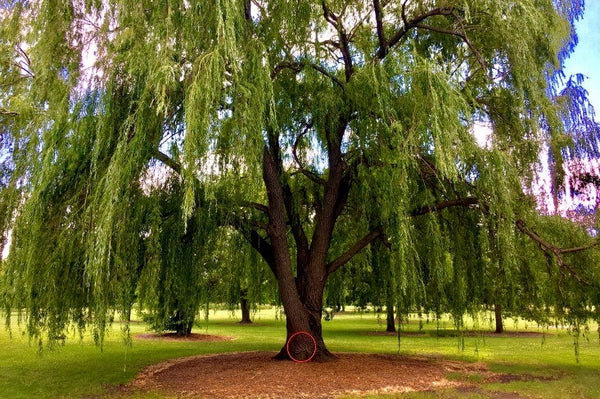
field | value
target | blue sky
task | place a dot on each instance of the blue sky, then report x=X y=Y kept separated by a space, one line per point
x=586 y=58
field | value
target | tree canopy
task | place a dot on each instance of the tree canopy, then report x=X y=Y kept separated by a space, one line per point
x=135 y=135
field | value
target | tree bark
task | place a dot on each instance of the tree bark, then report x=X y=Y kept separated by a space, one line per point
x=245 y=306
x=391 y=320
x=498 y=316
x=306 y=316
x=301 y=296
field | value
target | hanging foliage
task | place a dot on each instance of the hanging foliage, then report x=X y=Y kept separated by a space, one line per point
x=138 y=138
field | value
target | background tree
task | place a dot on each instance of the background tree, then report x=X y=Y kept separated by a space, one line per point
x=288 y=121
x=246 y=281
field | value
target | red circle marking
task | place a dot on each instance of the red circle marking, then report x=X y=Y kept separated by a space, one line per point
x=287 y=347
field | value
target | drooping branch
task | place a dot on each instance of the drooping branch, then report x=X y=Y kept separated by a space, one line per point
x=301 y=167
x=417 y=22
x=462 y=35
x=260 y=244
x=410 y=24
x=255 y=205
x=353 y=250
x=548 y=248
x=465 y=202
x=298 y=66
x=25 y=65
x=555 y=251
x=6 y=112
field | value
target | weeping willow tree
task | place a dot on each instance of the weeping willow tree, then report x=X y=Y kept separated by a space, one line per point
x=287 y=121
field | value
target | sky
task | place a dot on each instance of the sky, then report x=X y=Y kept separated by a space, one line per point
x=586 y=58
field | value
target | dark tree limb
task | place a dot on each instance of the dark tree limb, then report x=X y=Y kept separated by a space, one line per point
x=462 y=35
x=344 y=191
x=253 y=237
x=327 y=215
x=6 y=112
x=355 y=249
x=579 y=249
x=281 y=191
x=276 y=210
x=412 y=23
x=344 y=47
x=301 y=167
x=261 y=245
x=167 y=160
x=255 y=205
x=25 y=66
x=247 y=10
x=417 y=22
x=383 y=45
x=300 y=65
x=465 y=202
x=557 y=252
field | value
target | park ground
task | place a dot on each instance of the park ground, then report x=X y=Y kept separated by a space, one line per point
x=226 y=359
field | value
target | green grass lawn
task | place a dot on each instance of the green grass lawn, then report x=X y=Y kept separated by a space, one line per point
x=79 y=368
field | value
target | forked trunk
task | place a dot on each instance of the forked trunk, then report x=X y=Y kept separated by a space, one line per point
x=302 y=294
x=304 y=339
x=304 y=342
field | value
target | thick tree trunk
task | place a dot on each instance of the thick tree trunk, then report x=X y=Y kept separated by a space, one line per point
x=391 y=320
x=182 y=324
x=245 y=306
x=301 y=296
x=498 y=316
x=305 y=316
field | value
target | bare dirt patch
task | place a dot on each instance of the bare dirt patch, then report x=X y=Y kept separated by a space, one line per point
x=177 y=338
x=256 y=374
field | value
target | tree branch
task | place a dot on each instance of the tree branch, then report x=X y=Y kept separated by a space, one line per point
x=579 y=249
x=336 y=22
x=4 y=111
x=460 y=35
x=255 y=205
x=300 y=65
x=247 y=10
x=310 y=175
x=466 y=202
x=556 y=251
x=355 y=249
x=260 y=244
x=408 y=25
x=170 y=162
x=383 y=46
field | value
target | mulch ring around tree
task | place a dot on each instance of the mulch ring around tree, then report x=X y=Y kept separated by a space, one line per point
x=178 y=338
x=257 y=374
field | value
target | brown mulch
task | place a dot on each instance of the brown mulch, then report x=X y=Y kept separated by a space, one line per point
x=177 y=338
x=257 y=375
